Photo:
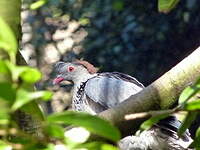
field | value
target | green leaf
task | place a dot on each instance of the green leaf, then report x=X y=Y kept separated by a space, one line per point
x=54 y=130
x=118 y=5
x=195 y=143
x=34 y=109
x=50 y=146
x=153 y=120
x=93 y=124
x=84 y=21
x=3 y=67
x=15 y=70
x=4 y=146
x=43 y=95
x=38 y=4
x=190 y=117
x=197 y=135
x=23 y=97
x=166 y=5
x=4 y=113
x=192 y=105
x=7 y=40
x=188 y=93
x=30 y=75
x=97 y=146
x=7 y=92
x=27 y=74
x=5 y=74
x=4 y=117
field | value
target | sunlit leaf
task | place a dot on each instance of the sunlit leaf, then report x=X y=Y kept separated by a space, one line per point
x=23 y=97
x=4 y=113
x=54 y=130
x=31 y=75
x=43 y=95
x=84 y=21
x=166 y=5
x=93 y=124
x=186 y=94
x=4 y=117
x=3 y=67
x=5 y=146
x=189 y=92
x=15 y=70
x=197 y=135
x=190 y=117
x=97 y=146
x=192 y=105
x=153 y=120
x=50 y=146
x=31 y=107
x=7 y=40
x=5 y=75
x=38 y=4
x=27 y=74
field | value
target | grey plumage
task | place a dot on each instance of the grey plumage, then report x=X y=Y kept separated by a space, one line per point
x=95 y=92
x=162 y=136
x=154 y=139
x=106 y=90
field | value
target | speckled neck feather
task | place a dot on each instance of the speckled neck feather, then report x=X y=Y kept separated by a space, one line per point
x=91 y=69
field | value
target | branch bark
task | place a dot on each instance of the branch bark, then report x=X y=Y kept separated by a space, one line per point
x=161 y=94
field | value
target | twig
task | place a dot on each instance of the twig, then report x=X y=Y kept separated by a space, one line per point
x=149 y=114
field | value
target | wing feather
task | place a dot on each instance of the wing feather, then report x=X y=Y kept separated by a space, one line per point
x=110 y=89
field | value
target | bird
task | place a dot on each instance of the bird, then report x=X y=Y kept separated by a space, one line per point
x=161 y=136
x=95 y=92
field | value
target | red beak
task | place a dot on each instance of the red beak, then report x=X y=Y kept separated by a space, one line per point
x=58 y=80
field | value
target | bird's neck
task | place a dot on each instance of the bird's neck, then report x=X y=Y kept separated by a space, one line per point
x=78 y=83
x=82 y=78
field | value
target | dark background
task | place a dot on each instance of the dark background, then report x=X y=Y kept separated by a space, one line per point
x=122 y=35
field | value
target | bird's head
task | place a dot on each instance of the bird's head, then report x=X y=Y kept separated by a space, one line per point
x=72 y=71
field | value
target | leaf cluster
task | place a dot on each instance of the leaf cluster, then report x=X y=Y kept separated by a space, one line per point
x=189 y=103
x=18 y=95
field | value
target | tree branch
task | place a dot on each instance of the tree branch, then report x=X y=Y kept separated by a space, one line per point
x=161 y=94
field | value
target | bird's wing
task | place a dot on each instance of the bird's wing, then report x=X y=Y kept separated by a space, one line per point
x=110 y=89
x=171 y=125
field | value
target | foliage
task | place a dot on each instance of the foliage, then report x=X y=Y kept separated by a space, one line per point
x=16 y=95
x=38 y=4
x=91 y=123
x=166 y=6
x=190 y=103
x=7 y=40
x=163 y=5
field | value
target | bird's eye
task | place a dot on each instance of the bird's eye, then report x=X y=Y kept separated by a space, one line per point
x=70 y=69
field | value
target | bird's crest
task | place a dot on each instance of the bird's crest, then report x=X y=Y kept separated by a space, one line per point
x=91 y=69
